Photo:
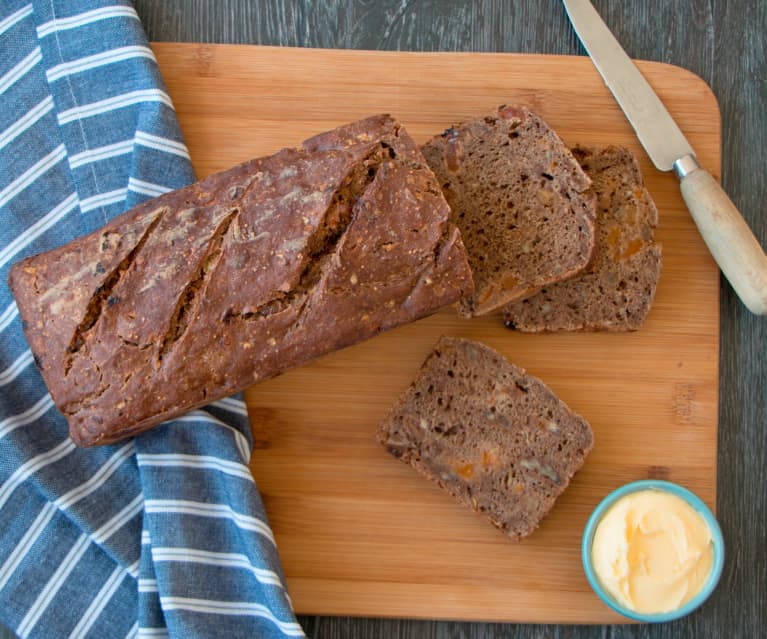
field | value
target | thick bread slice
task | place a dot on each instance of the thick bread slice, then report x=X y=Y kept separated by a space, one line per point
x=618 y=289
x=203 y=291
x=495 y=438
x=521 y=201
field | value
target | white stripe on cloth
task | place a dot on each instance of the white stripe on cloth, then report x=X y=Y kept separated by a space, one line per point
x=133 y=568
x=236 y=608
x=145 y=538
x=232 y=405
x=202 y=509
x=53 y=585
x=147 y=585
x=97 y=60
x=147 y=188
x=12 y=422
x=161 y=144
x=151 y=633
x=239 y=438
x=25 y=544
x=68 y=499
x=98 y=604
x=100 y=153
x=13 y=371
x=38 y=228
x=125 y=147
x=32 y=465
x=12 y=19
x=133 y=632
x=103 y=199
x=32 y=174
x=20 y=70
x=81 y=19
x=119 y=520
x=9 y=314
x=209 y=462
x=26 y=121
x=209 y=558
x=116 y=102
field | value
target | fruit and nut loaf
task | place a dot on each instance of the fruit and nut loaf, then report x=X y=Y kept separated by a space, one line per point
x=203 y=291
x=495 y=438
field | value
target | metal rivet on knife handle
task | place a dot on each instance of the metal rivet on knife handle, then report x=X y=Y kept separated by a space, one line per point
x=721 y=225
x=685 y=165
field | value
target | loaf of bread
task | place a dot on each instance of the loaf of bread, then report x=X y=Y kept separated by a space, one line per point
x=201 y=292
x=522 y=203
x=616 y=291
x=493 y=437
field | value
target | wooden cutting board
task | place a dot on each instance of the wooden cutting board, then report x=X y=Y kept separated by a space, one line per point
x=359 y=533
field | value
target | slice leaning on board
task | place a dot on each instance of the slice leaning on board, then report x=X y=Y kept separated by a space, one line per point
x=562 y=240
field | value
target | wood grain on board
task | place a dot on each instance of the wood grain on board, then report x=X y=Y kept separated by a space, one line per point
x=359 y=533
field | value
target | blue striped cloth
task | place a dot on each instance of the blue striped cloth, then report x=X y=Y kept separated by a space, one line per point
x=163 y=535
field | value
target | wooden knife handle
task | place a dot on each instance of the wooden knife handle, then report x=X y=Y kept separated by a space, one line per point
x=728 y=237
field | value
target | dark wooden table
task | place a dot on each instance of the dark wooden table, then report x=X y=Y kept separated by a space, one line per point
x=723 y=41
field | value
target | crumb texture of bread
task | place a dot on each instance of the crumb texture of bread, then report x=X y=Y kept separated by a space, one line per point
x=203 y=291
x=495 y=438
x=617 y=290
x=522 y=203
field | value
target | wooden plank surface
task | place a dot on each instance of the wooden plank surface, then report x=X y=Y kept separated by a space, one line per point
x=358 y=532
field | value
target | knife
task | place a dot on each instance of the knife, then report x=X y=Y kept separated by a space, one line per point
x=726 y=233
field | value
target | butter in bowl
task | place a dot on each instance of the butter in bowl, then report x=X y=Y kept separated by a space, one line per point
x=653 y=551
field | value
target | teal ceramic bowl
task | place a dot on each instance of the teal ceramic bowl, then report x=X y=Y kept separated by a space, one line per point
x=697 y=504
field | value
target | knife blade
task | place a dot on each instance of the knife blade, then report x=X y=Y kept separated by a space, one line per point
x=727 y=235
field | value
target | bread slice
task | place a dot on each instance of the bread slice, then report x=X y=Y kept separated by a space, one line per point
x=495 y=438
x=618 y=289
x=521 y=201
